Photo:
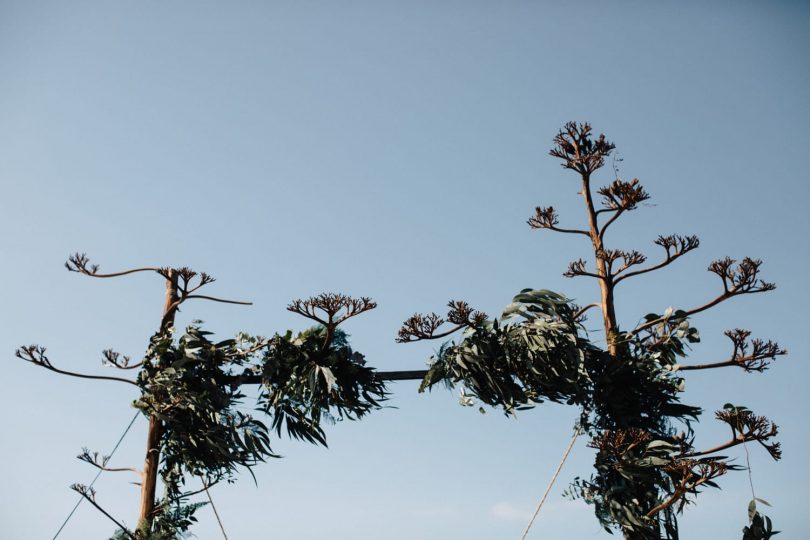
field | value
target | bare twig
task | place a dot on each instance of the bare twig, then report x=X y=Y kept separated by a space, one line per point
x=185 y=277
x=744 y=279
x=577 y=268
x=675 y=247
x=546 y=218
x=112 y=358
x=202 y=297
x=757 y=358
x=692 y=474
x=621 y=196
x=629 y=258
x=100 y=462
x=79 y=262
x=337 y=308
x=746 y=426
x=36 y=355
x=90 y=494
x=573 y=145
x=420 y=327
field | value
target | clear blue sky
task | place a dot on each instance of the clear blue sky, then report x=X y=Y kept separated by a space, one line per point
x=389 y=149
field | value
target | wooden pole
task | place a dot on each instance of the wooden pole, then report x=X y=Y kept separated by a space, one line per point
x=152 y=462
x=415 y=375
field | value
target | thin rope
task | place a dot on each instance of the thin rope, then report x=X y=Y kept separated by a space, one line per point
x=551 y=483
x=81 y=498
x=750 y=477
x=214 y=508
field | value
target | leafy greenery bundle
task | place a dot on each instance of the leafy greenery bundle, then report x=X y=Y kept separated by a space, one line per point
x=193 y=387
x=190 y=392
x=305 y=383
x=189 y=387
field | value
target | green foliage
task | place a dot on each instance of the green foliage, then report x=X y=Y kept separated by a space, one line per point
x=531 y=355
x=306 y=383
x=630 y=405
x=626 y=483
x=172 y=522
x=174 y=519
x=192 y=386
x=189 y=387
x=536 y=352
x=639 y=389
x=760 y=526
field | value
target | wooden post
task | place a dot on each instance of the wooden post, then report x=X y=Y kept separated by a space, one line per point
x=605 y=279
x=152 y=462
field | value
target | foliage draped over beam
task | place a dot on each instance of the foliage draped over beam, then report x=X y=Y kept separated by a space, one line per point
x=628 y=391
x=647 y=468
x=190 y=388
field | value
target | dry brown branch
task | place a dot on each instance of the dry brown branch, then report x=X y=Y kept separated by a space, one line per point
x=617 y=443
x=574 y=145
x=546 y=218
x=337 y=307
x=629 y=258
x=744 y=279
x=185 y=278
x=79 y=262
x=619 y=197
x=114 y=359
x=100 y=462
x=213 y=299
x=461 y=313
x=36 y=355
x=674 y=245
x=688 y=475
x=746 y=427
x=754 y=355
x=90 y=494
x=577 y=268
x=420 y=327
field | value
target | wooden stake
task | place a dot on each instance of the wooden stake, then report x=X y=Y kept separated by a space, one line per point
x=152 y=462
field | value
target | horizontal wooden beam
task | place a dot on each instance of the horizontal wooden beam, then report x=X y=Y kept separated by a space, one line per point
x=416 y=375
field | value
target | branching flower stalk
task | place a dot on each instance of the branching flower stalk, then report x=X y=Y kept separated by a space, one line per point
x=627 y=390
x=663 y=335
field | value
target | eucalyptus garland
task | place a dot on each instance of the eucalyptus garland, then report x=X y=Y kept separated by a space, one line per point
x=646 y=467
x=192 y=385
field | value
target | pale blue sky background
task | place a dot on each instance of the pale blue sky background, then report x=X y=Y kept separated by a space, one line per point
x=389 y=149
